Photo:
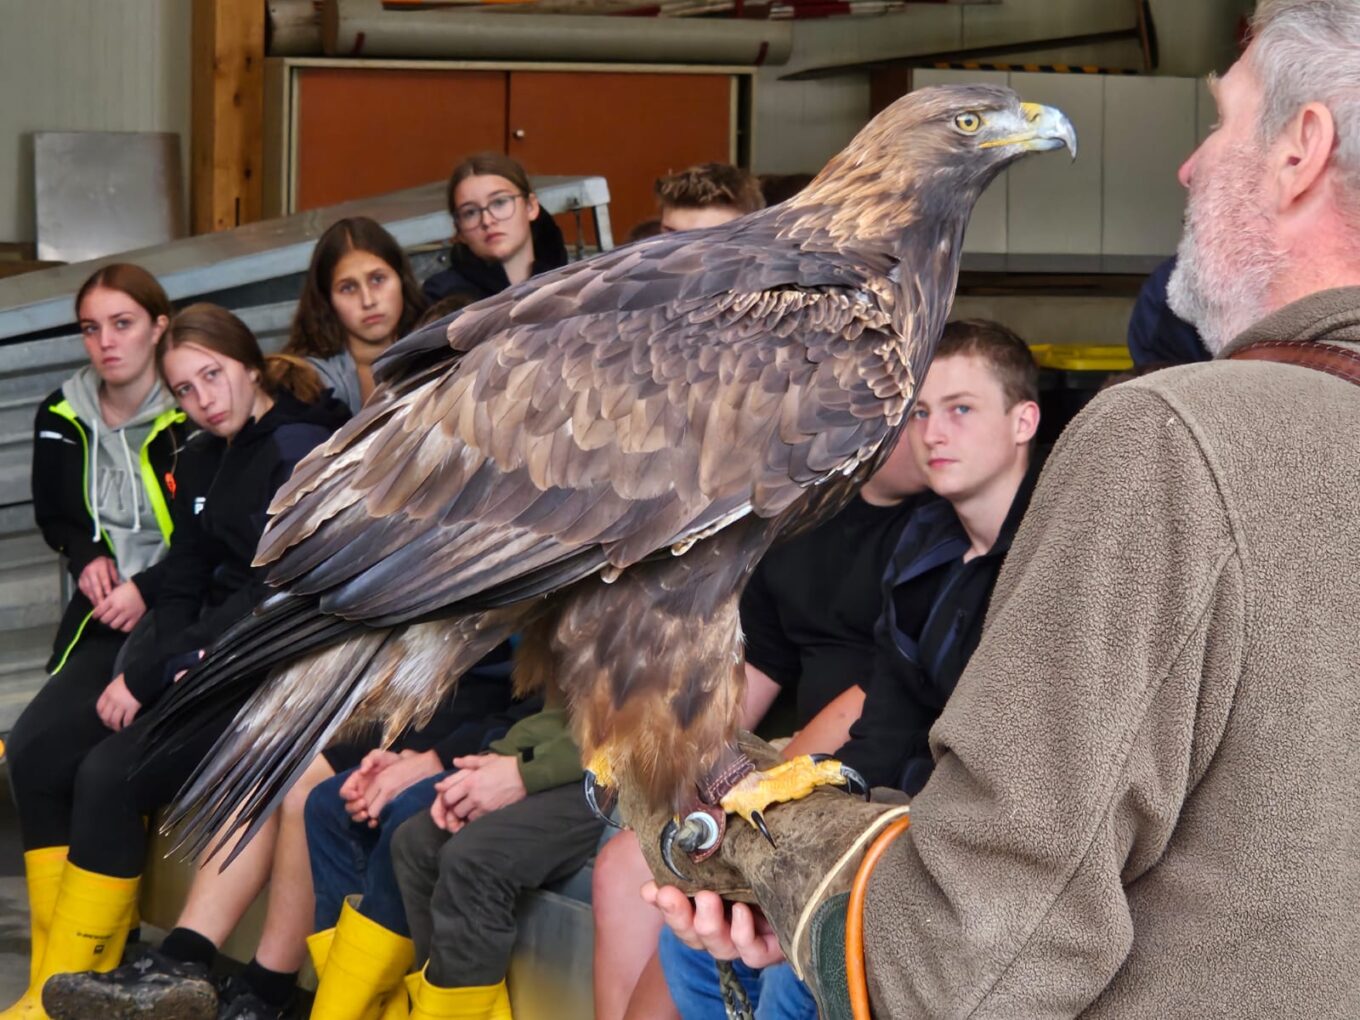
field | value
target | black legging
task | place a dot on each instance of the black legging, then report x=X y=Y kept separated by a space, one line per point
x=73 y=778
x=55 y=732
x=120 y=784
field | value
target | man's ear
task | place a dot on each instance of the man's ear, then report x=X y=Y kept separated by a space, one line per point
x=1026 y=421
x=1304 y=149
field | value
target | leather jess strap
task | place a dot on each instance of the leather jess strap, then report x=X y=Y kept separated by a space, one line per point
x=1341 y=362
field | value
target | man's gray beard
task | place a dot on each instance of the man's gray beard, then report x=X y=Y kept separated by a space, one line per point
x=1219 y=309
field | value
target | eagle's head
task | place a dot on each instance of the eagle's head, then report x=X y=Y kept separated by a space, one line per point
x=926 y=157
x=971 y=129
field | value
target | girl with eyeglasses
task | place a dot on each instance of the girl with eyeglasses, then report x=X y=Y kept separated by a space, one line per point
x=503 y=235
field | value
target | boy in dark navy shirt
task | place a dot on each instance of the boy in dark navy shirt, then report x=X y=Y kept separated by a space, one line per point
x=971 y=432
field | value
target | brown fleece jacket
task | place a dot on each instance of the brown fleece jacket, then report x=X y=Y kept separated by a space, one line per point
x=1147 y=802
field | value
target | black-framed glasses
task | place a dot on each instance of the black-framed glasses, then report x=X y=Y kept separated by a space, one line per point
x=500 y=208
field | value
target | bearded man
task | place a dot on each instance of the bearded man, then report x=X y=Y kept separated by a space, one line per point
x=1145 y=802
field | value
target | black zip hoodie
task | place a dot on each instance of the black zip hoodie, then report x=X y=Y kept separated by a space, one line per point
x=934 y=606
x=222 y=497
x=61 y=474
x=467 y=274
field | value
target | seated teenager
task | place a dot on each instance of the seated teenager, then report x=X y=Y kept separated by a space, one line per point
x=363 y=941
x=971 y=431
x=104 y=445
x=358 y=297
x=502 y=236
x=506 y=820
x=279 y=857
x=808 y=617
x=706 y=195
x=352 y=816
x=256 y=427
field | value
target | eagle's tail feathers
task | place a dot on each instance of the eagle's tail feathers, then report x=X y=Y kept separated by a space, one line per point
x=276 y=735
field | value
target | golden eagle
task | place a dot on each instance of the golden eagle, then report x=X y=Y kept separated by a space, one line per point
x=596 y=459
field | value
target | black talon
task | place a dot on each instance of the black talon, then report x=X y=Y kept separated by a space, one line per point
x=603 y=814
x=854 y=782
x=758 y=820
x=698 y=832
x=667 y=843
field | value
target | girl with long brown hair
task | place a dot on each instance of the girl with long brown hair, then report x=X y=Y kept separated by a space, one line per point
x=358 y=297
x=92 y=796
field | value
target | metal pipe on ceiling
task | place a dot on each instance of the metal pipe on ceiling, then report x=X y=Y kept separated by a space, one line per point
x=355 y=28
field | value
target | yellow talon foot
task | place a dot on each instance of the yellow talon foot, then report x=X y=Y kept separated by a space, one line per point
x=788 y=781
x=601 y=766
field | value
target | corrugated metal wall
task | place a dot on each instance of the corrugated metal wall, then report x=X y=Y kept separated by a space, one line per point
x=85 y=65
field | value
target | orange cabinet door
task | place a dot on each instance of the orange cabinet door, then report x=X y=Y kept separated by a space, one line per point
x=364 y=132
x=629 y=128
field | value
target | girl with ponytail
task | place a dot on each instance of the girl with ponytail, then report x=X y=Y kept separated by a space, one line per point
x=256 y=425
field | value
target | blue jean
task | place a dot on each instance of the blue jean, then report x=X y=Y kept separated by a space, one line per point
x=692 y=977
x=349 y=858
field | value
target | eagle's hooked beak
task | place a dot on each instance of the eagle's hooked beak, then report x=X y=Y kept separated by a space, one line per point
x=1045 y=128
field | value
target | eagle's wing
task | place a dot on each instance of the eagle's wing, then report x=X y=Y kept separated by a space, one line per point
x=582 y=432
x=562 y=429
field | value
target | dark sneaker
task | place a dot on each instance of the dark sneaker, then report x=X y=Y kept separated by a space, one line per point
x=151 y=987
x=238 y=1002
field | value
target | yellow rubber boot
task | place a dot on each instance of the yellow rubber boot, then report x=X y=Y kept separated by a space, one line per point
x=397 y=1005
x=318 y=948
x=42 y=869
x=365 y=965
x=88 y=930
x=476 y=1002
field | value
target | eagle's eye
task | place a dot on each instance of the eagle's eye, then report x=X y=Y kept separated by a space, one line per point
x=968 y=123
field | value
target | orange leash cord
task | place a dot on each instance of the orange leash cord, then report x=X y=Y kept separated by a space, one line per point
x=856 y=976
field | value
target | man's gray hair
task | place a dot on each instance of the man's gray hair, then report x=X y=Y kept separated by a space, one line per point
x=1308 y=51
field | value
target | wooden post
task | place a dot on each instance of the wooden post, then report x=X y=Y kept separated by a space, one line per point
x=228 y=113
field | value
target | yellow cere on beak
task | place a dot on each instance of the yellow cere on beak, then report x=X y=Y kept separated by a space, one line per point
x=1046 y=128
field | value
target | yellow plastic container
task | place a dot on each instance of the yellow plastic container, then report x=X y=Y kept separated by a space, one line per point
x=1082 y=357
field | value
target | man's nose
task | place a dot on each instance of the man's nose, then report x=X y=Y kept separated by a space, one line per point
x=933 y=432
x=1187 y=169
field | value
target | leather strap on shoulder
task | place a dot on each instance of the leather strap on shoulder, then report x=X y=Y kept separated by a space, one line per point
x=1341 y=362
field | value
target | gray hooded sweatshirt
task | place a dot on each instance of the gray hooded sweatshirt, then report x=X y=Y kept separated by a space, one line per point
x=118 y=501
x=339 y=372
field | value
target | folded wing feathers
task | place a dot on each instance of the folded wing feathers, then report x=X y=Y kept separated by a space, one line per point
x=500 y=441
